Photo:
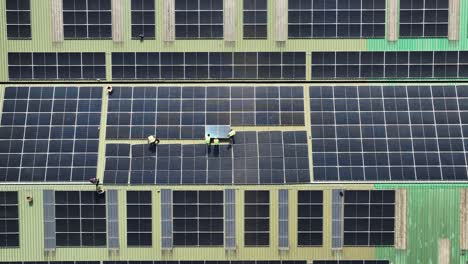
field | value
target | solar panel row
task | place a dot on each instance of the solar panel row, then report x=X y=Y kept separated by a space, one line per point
x=56 y=65
x=183 y=112
x=389 y=132
x=255 y=158
x=208 y=65
x=389 y=64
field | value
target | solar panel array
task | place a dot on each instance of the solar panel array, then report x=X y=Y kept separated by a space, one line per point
x=256 y=218
x=183 y=112
x=199 y=19
x=255 y=158
x=198 y=218
x=139 y=219
x=56 y=66
x=207 y=65
x=310 y=218
x=336 y=19
x=87 y=19
x=18 y=19
x=389 y=132
x=389 y=64
x=49 y=133
x=255 y=18
x=369 y=218
x=423 y=18
x=9 y=220
x=80 y=218
x=143 y=19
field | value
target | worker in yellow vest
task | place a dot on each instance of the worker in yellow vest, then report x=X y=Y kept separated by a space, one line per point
x=208 y=139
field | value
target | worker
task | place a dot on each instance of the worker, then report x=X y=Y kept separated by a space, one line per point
x=208 y=139
x=231 y=135
x=216 y=142
x=153 y=140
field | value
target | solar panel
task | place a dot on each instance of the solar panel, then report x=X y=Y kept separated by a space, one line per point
x=18 y=19
x=255 y=19
x=9 y=220
x=87 y=19
x=49 y=133
x=143 y=20
x=256 y=218
x=369 y=218
x=389 y=133
x=198 y=218
x=117 y=163
x=423 y=18
x=389 y=64
x=139 y=219
x=309 y=218
x=80 y=218
x=336 y=19
x=184 y=112
x=199 y=19
x=208 y=65
x=56 y=66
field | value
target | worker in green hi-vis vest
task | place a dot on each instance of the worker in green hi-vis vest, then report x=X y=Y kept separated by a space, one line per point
x=208 y=139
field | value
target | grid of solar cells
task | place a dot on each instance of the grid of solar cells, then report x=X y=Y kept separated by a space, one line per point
x=256 y=218
x=389 y=64
x=270 y=157
x=255 y=19
x=9 y=219
x=18 y=19
x=49 y=133
x=53 y=65
x=369 y=218
x=208 y=65
x=389 y=132
x=336 y=19
x=143 y=19
x=309 y=218
x=80 y=218
x=220 y=165
x=183 y=112
x=87 y=19
x=423 y=18
x=117 y=163
x=296 y=157
x=194 y=164
x=245 y=158
x=198 y=218
x=199 y=19
x=351 y=262
x=139 y=218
